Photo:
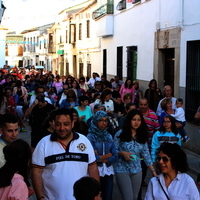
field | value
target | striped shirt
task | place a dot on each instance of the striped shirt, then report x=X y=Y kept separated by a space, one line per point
x=153 y=125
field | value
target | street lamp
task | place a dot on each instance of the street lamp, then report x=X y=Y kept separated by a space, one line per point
x=2 y=9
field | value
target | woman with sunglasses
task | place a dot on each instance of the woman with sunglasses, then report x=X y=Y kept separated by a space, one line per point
x=173 y=183
x=105 y=152
x=167 y=133
x=131 y=144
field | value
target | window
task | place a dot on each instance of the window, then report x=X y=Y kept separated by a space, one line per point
x=60 y=38
x=119 y=62
x=88 y=28
x=28 y=44
x=34 y=44
x=80 y=69
x=121 y=5
x=136 y=1
x=132 y=62
x=80 y=32
x=72 y=33
x=45 y=42
x=25 y=44
x=192 y=79
x=105 y=63
x=66 y=36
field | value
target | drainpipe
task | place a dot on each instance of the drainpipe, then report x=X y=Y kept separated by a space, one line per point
x=181 y=14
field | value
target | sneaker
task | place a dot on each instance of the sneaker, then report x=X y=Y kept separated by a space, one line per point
x=186 y=139
x=23 y=130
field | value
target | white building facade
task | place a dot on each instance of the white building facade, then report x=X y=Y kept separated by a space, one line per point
x=146 y=39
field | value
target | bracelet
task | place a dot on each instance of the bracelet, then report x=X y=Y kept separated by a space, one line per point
x=42 y=197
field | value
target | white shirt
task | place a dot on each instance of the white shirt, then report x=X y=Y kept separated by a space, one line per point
x=63 y=96
x=109 y=105
x=182 y=187
x=179 y=114
x=62 y=168
x=33 y=97
x=159 y=109
x=93 y=80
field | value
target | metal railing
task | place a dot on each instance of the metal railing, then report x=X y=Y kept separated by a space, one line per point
x=136 y=1
x=103 y=10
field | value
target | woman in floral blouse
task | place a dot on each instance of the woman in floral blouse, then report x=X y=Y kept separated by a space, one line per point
x=131 y=143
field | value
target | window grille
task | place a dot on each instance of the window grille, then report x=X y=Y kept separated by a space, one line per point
x=192 y=101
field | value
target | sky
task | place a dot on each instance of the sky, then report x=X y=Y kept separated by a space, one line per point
x=24 y=14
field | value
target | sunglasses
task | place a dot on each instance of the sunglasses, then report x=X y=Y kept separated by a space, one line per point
x=164 y=158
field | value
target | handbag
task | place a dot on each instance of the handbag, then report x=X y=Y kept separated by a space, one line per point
x=163 y=188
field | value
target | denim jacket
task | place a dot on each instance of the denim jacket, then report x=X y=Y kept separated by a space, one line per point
x=109 y=147
x=66 y=104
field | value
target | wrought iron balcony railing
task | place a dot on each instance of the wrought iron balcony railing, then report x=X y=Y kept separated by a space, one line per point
x=103 y=10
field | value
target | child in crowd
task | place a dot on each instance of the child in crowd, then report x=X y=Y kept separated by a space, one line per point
x=180 y=118
x=87 y=188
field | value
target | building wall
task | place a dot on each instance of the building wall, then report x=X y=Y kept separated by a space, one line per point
x=2 y=47
x=138 y=25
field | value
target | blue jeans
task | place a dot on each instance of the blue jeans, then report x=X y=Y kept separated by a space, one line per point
x=106 y=187
x=182 y=130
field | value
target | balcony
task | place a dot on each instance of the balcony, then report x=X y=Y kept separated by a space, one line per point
x=121 y=5
x=103 y=10
x=136 y=1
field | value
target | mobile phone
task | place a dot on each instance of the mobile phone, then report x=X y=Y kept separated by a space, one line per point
x=133 y=157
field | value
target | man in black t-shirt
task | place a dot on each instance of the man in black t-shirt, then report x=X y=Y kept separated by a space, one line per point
x=40 y=111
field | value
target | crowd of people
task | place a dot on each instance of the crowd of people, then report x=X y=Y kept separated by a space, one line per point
x=90 y=127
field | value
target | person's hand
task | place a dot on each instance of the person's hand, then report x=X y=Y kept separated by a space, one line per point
x=127 y=156
x=178 y=125
x=154 y=174
x=96 y=152
x=35 y=102
x=82 y=117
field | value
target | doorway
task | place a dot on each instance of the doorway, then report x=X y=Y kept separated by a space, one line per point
x=74 y=66
x=169 y=59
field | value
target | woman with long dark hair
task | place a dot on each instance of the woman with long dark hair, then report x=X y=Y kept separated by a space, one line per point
x=14 y=174
x=76 y=88
x=131 y=144
x=105 y=100
x=153 y=94
x=167 y=133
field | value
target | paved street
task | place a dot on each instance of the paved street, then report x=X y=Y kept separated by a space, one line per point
x=192 y=159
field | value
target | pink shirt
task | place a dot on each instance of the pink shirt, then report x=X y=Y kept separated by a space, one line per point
x=57 y=85
x=124 y=90
x=18 y=189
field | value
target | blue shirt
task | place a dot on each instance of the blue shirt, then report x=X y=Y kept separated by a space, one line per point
x=160 y=137
x=138 y=149
x=103 y=148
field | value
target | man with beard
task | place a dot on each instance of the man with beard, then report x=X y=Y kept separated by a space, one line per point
x=60 y=159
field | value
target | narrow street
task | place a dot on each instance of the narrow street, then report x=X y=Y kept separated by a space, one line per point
x=192 y=159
